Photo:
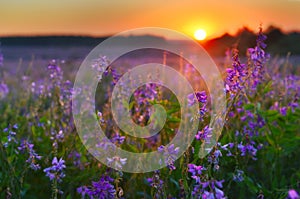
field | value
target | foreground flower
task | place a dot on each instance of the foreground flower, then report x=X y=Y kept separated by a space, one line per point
x=102 y=189
x=201 y=97
x=205 y=133
x=293 y=194
x=196 y=171
x=56 y=171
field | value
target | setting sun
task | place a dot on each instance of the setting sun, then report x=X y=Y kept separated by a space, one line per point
x=200 y=34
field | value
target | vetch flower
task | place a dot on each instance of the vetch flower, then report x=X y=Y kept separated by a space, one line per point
x=33 y=156
x=56 y=171
x=170 y=155
x=201 y=97
x=196 y=172
x=235 y=75
x=117 y=162
x=292 y=194
x=3 y=90
x=11 y=137
x=1 y=59
x=157 y=184
x=118 y=139
x=238 y=176
x=258 y=58
x=203 y=134
x=102 y=189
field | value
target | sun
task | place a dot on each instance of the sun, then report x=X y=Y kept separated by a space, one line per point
x=200 y=34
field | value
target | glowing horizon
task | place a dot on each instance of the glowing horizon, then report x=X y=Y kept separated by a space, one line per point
x=103 y=18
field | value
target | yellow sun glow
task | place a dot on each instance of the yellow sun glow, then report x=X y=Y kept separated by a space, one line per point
x=200 y=34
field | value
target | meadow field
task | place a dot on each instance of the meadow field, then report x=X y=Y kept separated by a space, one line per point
x=42 y=156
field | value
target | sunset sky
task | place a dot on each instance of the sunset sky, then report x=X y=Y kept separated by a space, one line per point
x=105 y=17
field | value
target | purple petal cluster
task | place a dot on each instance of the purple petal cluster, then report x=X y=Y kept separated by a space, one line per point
x=1 y=59
x=102 y=189
x=235 y=75
x=3 y=90
x=170 y=155
x=248 y=148
x=117 y=162
x=75 y=156
x=55 y=73
x=118 y=139
x=196 y=172
x=26 y=146
x=292 y=194
x=209 y=190
x=201 y=97
x=258 y=57
x=56 y=171
x=157 y=183
x=11 y=137
x=238 y=176
x=204 y=133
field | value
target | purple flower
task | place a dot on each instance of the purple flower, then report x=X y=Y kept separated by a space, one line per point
x=196 y=171
x=76 y=159
x=118 y=139
x=202 y=135
x=116 y=162
x=33 y=156
x=102 y=189
x=248 y=148
x=55 y=74
x=11 y=137
x=59 y=136
x=235 y=75
x=170 y=155
x=227 y=147
x=56 y=171
x=1 y=59
x=238 y=176
x=201 y=97
x=156 y=183
x=100 y=117
x=214 y=158
x=210 y=189
x=259 y=58
x=100 y=65
x=292 y=194
x=3 y=90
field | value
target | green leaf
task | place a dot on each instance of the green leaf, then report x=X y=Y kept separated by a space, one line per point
x=270 y=113
x=69 y=196
x=267 y=87
x=173 y=119
x=249 y=107
x=175 y=182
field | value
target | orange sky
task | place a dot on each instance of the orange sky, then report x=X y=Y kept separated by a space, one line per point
x=105 y=17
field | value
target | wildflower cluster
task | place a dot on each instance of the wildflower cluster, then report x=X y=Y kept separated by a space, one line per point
x=255 y=157
x=101 y=189
x=56 y=171
x=204 y=188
